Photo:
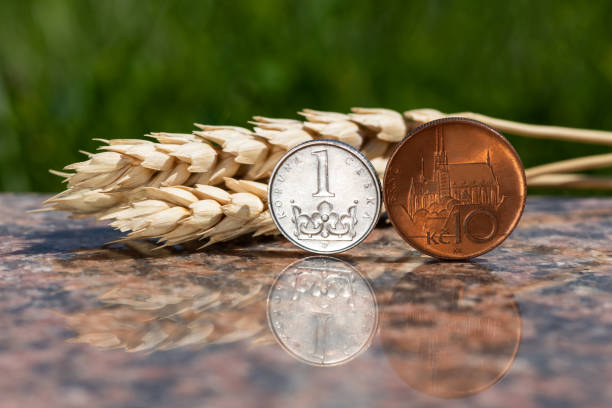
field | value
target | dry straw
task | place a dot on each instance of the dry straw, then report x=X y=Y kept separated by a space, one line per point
x=211 y=184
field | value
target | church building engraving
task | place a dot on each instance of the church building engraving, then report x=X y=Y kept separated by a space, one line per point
x=452 y=184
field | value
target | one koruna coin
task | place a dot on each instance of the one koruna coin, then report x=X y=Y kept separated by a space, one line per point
x=324 y=196
x=454 y=188
x=322 y=311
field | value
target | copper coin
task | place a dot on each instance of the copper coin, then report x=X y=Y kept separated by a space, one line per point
x=454 y=188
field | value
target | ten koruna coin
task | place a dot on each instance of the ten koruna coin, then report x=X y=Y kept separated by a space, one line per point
x=454 y=188
x=324 y=196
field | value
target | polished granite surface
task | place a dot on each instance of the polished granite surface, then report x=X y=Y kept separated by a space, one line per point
x=526 y=325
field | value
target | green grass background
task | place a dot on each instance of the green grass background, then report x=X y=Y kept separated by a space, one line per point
x=75 y=70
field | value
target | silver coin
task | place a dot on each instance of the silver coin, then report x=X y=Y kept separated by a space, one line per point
x=324 y=196
x=322 y=311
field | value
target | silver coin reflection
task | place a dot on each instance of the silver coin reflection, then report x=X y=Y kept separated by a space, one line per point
x=322 y=311
x=451 y=329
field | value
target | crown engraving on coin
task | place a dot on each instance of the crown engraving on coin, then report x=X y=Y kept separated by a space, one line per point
x=325 y=223
x=324 y=196
x=322 y=277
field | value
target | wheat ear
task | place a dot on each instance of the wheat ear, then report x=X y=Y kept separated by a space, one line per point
x=179 y=214
x=211 y=184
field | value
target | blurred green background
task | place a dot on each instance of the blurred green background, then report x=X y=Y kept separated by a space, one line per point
x=76 y=70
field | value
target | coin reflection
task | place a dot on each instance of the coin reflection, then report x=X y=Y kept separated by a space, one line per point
x=322 y=311
x=451 y=329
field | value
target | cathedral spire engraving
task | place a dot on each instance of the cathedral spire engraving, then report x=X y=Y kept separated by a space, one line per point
x=452 y=184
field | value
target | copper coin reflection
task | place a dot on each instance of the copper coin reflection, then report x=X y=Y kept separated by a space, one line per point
x=454 y=188
x=322 y=311
x=451 y=330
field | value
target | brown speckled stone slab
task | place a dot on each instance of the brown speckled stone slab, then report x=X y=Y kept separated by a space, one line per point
x=82 y=324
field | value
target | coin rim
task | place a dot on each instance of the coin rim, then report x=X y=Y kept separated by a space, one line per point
x=427 y=125
x=365 y=345
x=356 y=153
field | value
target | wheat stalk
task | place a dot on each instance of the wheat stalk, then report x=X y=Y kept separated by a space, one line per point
x=516 y=128
x=581 y=163
x=571 y=181
x=211 y=184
